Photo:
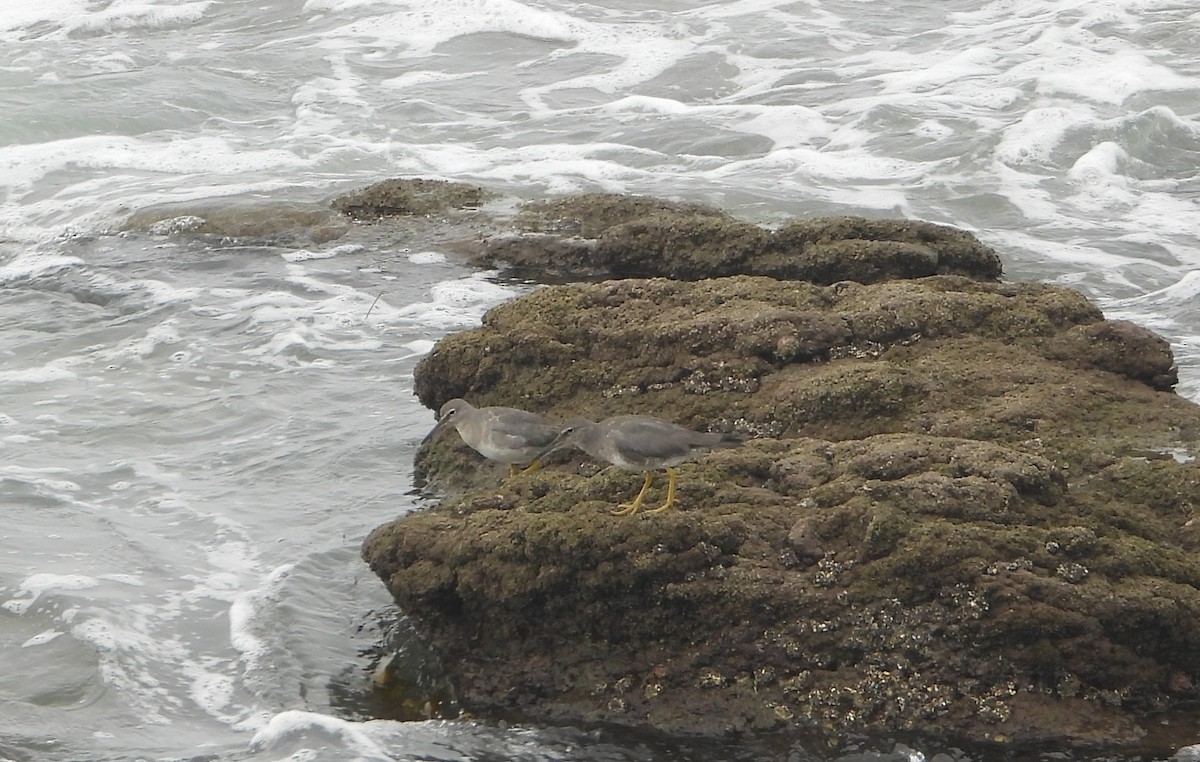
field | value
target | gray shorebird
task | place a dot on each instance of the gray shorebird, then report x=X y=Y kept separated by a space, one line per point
x=503 y=434
x=639 y=443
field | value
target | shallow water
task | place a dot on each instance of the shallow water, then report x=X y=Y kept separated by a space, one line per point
x=197 y=434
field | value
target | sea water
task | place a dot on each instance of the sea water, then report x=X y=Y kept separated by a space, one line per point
x=196 y=434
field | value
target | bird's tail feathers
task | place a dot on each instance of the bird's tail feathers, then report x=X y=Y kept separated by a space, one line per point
x=728 y=439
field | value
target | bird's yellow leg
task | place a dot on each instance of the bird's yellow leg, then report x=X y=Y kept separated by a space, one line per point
x=512 y=470
x=535 y=465
x=636 y=505
x=670 y=503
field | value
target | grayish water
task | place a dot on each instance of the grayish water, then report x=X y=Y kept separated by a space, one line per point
x=194 y=438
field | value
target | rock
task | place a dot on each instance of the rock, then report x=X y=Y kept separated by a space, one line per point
x=781 y=357
x=414 y=196
x=1121 y=347
x=1187 y=754
x=831 y=249
x=956 y=516
x=598 y=235
x=279 y=222
x=588 y=215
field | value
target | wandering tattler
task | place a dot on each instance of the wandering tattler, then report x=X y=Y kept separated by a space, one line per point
x=639 y=443
x=503 y=434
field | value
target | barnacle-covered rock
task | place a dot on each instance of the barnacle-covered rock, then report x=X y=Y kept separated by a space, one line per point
x=962 y=508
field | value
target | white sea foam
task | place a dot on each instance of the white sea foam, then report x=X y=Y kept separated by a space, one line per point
x=36 y=585
x=1180 y=295
x=329 y=317
x=454 y=304
x=112 y=173
x=421 y=27
x=415 y=78
x=138 y=14
x=250 y=627
x=1034 y=138
x=165 y=334
x=19 y=14
x=125 y=579
x=34 y=264
x=26 y=165
x=72 y=16
x=418 y=348
x=296 y=732
x=1168 y=309
x=303 y=255
x=125 y=647
x=54 y=371
x=42 y=638
x=1113 y=78
x=426 y=257
x=213 y=691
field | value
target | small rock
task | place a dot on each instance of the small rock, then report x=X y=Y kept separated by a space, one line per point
x=1072 y=572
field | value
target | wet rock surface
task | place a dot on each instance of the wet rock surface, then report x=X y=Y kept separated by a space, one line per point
x=967 y=508
x=245 y=219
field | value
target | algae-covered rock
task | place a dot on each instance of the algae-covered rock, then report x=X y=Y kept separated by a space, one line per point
x=966 y=508
x=599 y=235
x=863 y=250
x=590 y=214
x=780 y=357
x=409 y=196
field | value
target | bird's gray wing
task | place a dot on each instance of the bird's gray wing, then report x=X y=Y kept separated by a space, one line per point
x=520 y=428
x=649 y=440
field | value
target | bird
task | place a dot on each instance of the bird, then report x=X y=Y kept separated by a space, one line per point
x=503 y=434
x=639 y=443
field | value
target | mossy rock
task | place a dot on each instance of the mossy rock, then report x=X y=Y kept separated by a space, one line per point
x=604 y=235
x=933 y=598
x=590 y=214
x=866 y=250
x=408 y=197
x=956 y=514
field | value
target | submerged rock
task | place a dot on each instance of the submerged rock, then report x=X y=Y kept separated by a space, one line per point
x=957 y=514
x=246 y=219
x=401 y=212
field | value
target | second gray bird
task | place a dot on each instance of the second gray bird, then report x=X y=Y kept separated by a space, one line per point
x=639 y=443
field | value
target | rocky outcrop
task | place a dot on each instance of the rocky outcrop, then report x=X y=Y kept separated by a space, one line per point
x=403 y=197
x=599 y=235
x=967 y=508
